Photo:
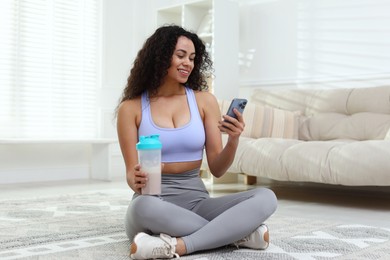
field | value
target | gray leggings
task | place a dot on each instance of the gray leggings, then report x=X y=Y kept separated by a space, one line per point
x=185 y=209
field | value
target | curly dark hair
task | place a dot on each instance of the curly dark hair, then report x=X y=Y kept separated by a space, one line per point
x=153 y=60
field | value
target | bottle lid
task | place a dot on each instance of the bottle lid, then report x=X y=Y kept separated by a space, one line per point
x=150 y=142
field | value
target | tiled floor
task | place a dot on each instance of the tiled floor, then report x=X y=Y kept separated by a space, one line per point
x=363 y=205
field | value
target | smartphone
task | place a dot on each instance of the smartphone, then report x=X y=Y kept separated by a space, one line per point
x=239 y=104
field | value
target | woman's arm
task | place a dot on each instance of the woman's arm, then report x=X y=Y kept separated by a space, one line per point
x=129 y=116
x=219 y=158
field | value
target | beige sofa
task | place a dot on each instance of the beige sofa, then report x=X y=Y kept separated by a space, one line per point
x=333 y=136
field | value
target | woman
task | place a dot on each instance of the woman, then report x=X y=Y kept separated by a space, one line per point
x=166 y=95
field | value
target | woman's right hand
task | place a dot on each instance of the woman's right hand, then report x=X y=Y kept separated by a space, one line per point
x=138 y=179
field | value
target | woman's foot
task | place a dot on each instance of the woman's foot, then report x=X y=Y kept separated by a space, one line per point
x=258 y=239
x=145 y=246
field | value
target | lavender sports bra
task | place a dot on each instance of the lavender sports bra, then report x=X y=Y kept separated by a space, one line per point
x=182 y=144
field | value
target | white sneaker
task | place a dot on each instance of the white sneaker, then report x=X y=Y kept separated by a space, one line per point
x=145 y=246
x=258 y=239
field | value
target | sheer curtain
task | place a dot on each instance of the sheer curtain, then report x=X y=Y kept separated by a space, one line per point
x=49 y=60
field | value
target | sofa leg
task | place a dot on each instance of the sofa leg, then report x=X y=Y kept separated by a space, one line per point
x=228 y=177
x=250 y=180
x=203 y=173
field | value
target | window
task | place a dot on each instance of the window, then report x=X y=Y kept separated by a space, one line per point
x=49 y=60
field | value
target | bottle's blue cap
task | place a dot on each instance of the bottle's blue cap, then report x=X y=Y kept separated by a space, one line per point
x=150 y=142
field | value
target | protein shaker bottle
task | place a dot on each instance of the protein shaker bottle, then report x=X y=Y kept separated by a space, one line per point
x=149 y=157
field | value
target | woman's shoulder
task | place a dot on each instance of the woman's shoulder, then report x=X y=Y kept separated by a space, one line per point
x=207 y=102
x=204 y=96
x=130 y=106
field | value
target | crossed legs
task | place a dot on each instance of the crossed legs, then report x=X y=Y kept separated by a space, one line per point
x=212 y=223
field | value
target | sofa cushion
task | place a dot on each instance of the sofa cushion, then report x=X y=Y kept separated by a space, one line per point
x=375 y=99
x=359 y=126
x=264 y=157
x=281 y=98
x=308 y=101
x=327 y=100
x=387 y=137
x=313 y=101
x=345 y=162
x=264 y=121
x=236 y=166
x=328 y=114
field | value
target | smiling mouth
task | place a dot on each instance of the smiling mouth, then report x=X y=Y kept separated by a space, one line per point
x=184 y=72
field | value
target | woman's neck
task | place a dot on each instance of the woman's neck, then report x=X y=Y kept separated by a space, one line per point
x=169 y=90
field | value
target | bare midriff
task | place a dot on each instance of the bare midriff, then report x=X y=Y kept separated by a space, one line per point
x=180 y=167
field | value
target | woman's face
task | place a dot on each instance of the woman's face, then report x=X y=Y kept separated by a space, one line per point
x=182 y=60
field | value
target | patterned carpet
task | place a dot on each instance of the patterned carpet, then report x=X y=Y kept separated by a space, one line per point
x=90 y=226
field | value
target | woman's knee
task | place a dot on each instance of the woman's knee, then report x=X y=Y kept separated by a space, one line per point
x=140 y=212
x=144 y=207
x=268 y=199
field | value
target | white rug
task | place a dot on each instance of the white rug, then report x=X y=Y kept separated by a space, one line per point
x=90 y=226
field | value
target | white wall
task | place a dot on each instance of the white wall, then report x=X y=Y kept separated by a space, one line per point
x=48 y=162
x=126 y=25
x=122 y=33
x=294 y=42
x=282 y=43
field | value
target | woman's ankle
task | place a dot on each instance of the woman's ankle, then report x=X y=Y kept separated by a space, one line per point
x=181 y=247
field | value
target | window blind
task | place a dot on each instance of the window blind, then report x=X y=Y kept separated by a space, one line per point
x=49 y=60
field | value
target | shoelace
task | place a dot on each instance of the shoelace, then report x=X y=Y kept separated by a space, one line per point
x=243 y=240
x=239 y=242
x=161 y=251
x=168 y=249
